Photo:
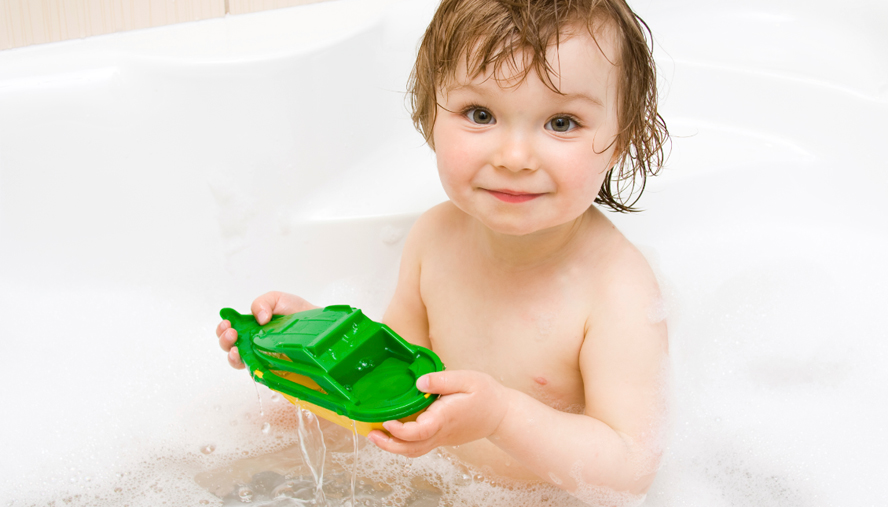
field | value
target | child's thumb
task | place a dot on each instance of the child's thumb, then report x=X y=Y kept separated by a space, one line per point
x=446 y=382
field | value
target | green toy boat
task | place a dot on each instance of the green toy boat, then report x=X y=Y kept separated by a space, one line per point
x=337 y=363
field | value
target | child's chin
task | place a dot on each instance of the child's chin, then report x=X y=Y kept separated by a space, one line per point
x=512 y=228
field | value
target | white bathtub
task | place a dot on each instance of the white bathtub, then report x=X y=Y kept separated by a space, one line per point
x=150 y=178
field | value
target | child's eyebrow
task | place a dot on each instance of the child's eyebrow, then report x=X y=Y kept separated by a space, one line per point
x=565 y=97
x=464 y=86
x=568 y=97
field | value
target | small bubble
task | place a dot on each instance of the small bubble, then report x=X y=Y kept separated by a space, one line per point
x=266 y=427
x=463 y=480
x=275 y=397
x=208 y=449
x=286 y=490
x=245 y=494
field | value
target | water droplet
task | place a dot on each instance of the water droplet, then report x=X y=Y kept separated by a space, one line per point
x=208 y=449
x=275 y=397
x=266 y=427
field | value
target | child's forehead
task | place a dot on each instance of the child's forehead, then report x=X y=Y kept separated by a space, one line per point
x=575 y=63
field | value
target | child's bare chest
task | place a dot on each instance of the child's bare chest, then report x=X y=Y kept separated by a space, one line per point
x=526 y=332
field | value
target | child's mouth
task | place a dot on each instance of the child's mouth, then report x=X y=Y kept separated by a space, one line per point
x=512 y=197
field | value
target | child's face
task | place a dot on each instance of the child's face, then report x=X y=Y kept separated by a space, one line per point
x=521 y=158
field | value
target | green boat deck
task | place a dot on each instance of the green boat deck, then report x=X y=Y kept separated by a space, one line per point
x=357 y=367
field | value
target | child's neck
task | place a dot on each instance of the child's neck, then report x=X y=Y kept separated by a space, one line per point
x=534 y=250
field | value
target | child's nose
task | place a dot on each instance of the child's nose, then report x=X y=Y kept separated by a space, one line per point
x=515 y=152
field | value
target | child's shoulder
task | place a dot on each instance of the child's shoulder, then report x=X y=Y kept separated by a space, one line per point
x=445 y=214
x=436 y=224
x=621 y=278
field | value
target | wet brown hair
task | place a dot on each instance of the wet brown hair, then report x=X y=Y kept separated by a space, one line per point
x=487 y=34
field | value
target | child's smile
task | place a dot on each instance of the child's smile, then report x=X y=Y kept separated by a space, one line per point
x=520 y=157
x=513 y=196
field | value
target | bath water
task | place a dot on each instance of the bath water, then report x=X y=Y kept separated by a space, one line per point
x=332 y=476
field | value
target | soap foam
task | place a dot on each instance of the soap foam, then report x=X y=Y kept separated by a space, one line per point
x=177 y=425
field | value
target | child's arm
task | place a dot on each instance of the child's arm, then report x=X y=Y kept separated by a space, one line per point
x=614 y=444
x=406 y=313
x=263 y=307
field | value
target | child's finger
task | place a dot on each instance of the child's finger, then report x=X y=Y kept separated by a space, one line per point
x=222 y=327
x=423 y=428
x=234 y=359
x=278 y=303
x=263 y=306
x=227 y=339
x=448 y=382
x=398 y=446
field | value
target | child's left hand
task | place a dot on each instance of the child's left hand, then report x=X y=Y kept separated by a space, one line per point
x=471 y=407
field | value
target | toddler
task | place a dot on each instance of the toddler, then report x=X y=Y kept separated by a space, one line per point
x=546 y=317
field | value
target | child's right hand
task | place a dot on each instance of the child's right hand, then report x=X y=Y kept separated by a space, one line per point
x=266 y=305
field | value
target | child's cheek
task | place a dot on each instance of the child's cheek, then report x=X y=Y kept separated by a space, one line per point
x=579 y=170
x=455 y=162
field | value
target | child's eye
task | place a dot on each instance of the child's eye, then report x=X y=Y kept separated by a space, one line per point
x=561 y=124
x=479 y=115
